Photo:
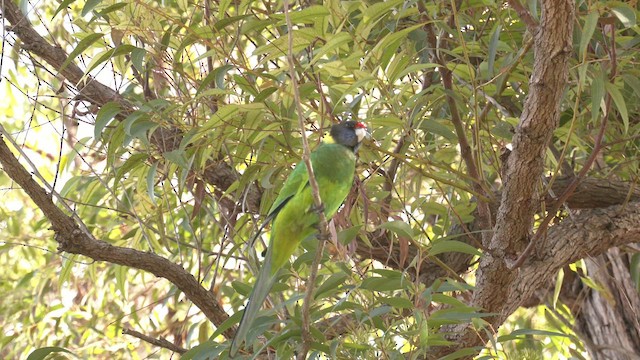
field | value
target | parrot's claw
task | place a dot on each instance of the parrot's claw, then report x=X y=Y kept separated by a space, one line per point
x=317 y=209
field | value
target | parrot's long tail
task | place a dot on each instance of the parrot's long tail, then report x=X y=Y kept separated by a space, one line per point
x=263 y=284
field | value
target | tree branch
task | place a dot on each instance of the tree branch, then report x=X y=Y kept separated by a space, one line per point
x=494 y=281
x=217 y=172
x=524 y=15
x=73 y=240
x=484 y=212
x=90 y=89
x=590 y=234
x=163 y=343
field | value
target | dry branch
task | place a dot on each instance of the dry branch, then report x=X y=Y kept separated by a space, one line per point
x=163 y=343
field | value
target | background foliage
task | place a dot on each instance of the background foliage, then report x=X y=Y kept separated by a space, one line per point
x=207 y=131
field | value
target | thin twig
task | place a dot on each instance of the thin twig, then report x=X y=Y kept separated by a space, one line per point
x=72 y=239
x=163 y=343
x=306 y=156
x=484 y=212
x=524 y=15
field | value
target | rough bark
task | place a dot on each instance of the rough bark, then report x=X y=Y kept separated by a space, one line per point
x=496 y=284
x=608 y=319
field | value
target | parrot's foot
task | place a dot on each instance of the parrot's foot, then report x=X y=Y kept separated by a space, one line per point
x=317 y=209
x=321 y=236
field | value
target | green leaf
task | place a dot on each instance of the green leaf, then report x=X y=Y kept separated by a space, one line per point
x=400 y=228
x=443 y=246
x=382 y=284
x=25 y=280
x=137 y=124
x=389 y=281
x=519 y=334
x=391 y=121
x=111 y=53
x=449 y=300
x=333 y=43
x=89 y=6
x=65 y=272
x=335 y=68
x=346 y=236
x=218 y=75
x=582 y=74
x=264 y=94
x=597 y=93
x=435 y=127
x=398 y=302
x=121 y=279
x=223 y=5
x=207 y=350
x=222 y=23
x=63 y=5
x=633 y=82
x=115 y=145
x=331 y=285
x=389 y=43
x=587 y=32
x=414 y=68
x=177 y=157
x=151 y=179
x=41 y=353
x=111 y=8
x=104 y=116
x=503 y=129
x=625 y=14
x=493 y=47
x=558 y=287
x=241 y=288
x=620 y=104
x=378 y=10
x=137 y=56
x=82 y=46
x=132 y=162
x=270 y=129
x=310 y=14
x=457 y=315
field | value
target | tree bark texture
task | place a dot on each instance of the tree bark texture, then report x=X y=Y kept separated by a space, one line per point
x=499 y=289
x=607 y=319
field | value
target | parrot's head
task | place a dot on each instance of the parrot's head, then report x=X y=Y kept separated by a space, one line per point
x=349 y=134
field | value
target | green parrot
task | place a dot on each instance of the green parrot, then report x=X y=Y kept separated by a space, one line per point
x=293 y=214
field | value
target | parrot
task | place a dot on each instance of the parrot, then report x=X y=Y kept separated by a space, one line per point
x=293 y=214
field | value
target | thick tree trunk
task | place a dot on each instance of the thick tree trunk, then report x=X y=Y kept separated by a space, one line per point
x=608 y=320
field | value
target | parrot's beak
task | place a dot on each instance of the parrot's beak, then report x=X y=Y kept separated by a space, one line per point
x=362 y=133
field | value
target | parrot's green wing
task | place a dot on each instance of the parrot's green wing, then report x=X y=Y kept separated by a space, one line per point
x=297 y=180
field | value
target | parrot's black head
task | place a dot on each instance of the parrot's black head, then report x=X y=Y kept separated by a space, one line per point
x=349 y=134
